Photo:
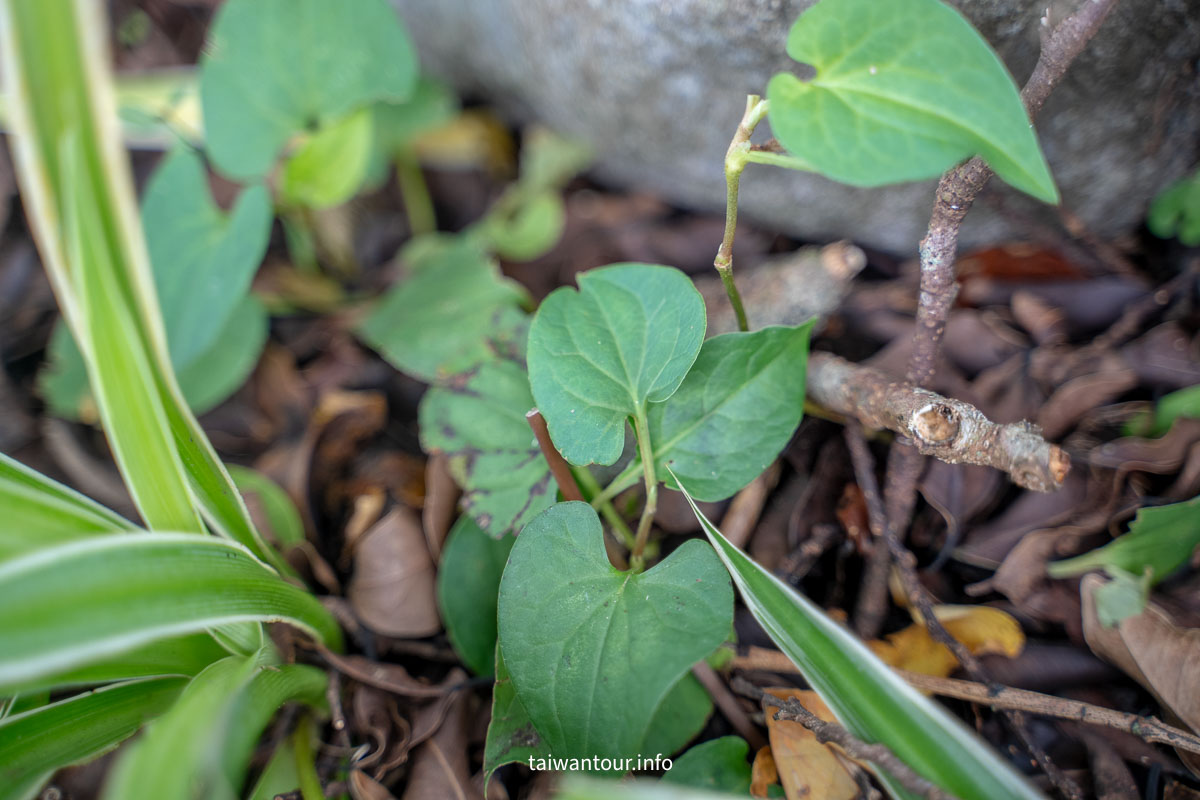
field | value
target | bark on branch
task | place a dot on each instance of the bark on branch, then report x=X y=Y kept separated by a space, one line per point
x=948 y=429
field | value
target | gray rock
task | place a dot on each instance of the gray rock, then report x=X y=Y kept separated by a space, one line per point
x=658 y=86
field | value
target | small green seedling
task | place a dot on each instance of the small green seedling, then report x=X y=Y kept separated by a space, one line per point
x=1160 y=541
x=1175 y=213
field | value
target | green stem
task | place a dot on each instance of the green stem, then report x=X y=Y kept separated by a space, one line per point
x=306 y=768
x=627 y=478
x=418 y=205
x=587 y=482
x=642 y=429
x=778 y=160
x=736 y=158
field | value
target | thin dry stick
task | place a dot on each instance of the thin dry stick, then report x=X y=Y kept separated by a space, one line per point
x=831 y=732
x=729 y=705
x=1149 y=729
x=918 y=598
x=956 y=192
x=948 y=429
x=559 y=467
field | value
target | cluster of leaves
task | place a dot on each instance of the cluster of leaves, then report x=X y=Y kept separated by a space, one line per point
x=121 y=624
x=323 y=133
x=590 y=660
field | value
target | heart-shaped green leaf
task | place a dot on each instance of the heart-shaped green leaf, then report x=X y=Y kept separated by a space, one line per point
x=478 y=418
x=468 y=581
x=734 y=412
x=592 y=650
x=328 y=168
x=718 y=764
x=903 y=90
x=511 y=736
x=274 y=68
x=203 y=260
x=681 y=716
x=450 y=311
x=871 y=700
x=597 y=356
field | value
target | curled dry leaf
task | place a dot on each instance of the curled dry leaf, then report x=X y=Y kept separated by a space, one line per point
x=364 y=787
x=392 y=590
x=807 y=768
x=440 y=769
x=1152 y=649
x=984 y=630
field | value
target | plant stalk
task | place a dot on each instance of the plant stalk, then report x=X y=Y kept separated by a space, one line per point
x=604 y=505
x=642 y=428
x=736 y=158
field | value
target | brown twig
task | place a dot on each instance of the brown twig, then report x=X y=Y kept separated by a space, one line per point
x=919 y=598
x=729 y=706
x=831 y=732
x=559 y=467
x=1149 y=729
x=956 y=193
x=948 y=429
x=797 y=563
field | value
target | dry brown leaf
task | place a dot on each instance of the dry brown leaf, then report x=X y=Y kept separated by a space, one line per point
x=392 y=590
x=441 y=503
x=439 y=767
x=981 y=628
x=364 y=787
x=807 y=768
x=1151 y=649
x=763 y=773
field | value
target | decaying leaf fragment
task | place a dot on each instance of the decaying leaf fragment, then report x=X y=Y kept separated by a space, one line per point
x=807 y=768
x=392 y=590
x=1153 y=650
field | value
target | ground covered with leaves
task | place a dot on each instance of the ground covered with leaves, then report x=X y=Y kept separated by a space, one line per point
x=1077 y=331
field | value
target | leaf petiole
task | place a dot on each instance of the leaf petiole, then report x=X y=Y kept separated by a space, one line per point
x=641 y=429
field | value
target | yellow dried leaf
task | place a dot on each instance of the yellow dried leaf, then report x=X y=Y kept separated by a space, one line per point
x=763 y=774
x=807 y=768
x=981 y=628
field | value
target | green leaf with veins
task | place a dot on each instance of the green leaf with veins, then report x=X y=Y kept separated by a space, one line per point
x=478 y=419
x=450 y=311
x=903 y=90
x=512 y=737
x=734 y=412
x=467 y=582
x=599 y=355
x=592 y=650
x=1160 y=540
x=680 y=717
x=718 y=764
x=207 y=380
x=275 y=68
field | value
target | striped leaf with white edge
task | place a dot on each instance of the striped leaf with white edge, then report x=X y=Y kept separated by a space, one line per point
x=84 y=601
x=75 y=182
x=35 y=744
x=39 y=512
x=873 y=702
x=202 y=746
